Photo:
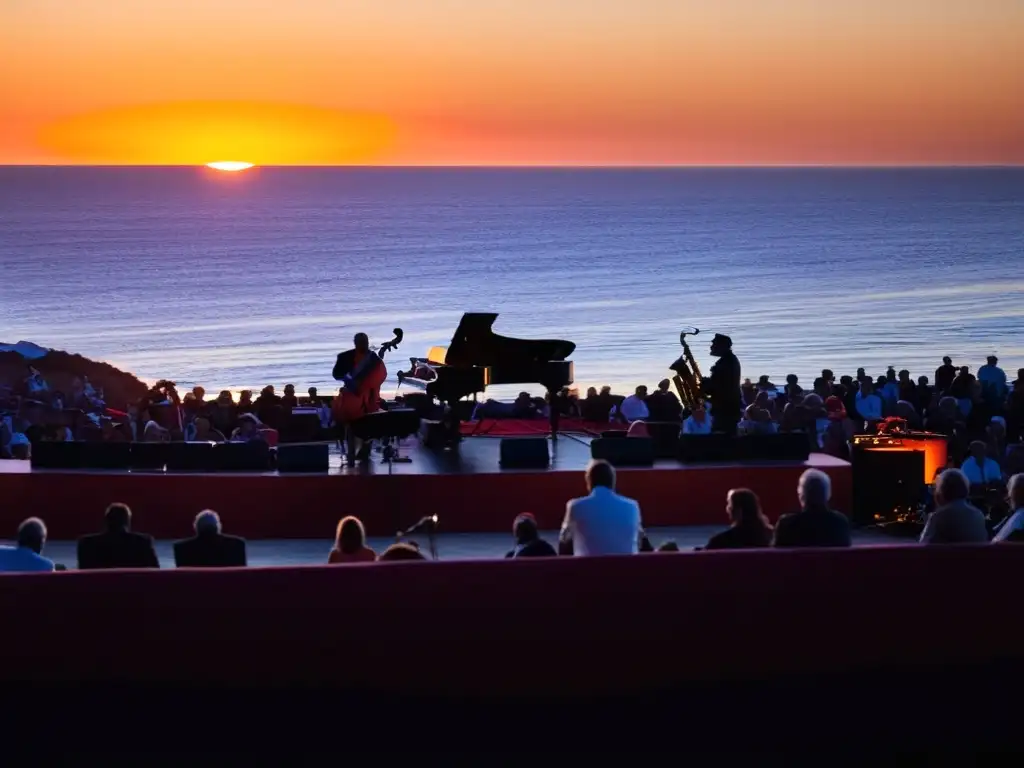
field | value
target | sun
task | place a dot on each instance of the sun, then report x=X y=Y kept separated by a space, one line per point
x=231 y=166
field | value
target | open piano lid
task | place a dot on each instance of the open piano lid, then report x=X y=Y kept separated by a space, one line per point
x=475 y=343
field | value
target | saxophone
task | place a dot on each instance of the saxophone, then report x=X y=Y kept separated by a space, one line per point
x=688 y=377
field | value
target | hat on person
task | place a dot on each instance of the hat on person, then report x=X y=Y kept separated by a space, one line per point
x=721 y=339
x=835 y=408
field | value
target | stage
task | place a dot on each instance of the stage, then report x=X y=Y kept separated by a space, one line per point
x=468 y=491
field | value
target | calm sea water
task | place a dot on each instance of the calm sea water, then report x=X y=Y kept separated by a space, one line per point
x=234 y=281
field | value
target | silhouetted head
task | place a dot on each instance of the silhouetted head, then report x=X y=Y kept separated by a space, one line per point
x=207 y=522
x=641 y=391
x=743 y=506
x=720 y=345
x=118 y=517
x=351 y=536
x=814 y=489
x=951 y=485
x=32 y=534
x=947 y=361
x=524 y=528
x=361 y=342
x=992 y=359
x=1015 y=492
x=663 y=385
x=600 y=474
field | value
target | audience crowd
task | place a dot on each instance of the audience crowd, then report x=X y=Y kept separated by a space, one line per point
x=599 y=524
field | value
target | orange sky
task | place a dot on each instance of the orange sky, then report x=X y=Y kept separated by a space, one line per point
x=512 y=81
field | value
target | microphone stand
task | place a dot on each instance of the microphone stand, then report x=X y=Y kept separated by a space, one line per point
x=428 y=524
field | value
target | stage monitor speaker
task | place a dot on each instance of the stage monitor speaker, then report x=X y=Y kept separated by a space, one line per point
x=303 y=457
x=301 y=425
x=57 y=455
x=189 y=457
x=524 y=453
x=252 y=456
x=697 y=449
x=665 y=435
x=101 y=455
x=784 y=446
x=628 y=452
x=612 y=434
x=396 y=422
x=150 y=455
x=886 y=483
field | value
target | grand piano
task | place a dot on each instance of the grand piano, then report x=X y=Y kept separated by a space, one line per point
x=478 y=358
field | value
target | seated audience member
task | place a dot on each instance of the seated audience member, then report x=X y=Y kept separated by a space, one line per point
x=528 y=540
x=748 y=525
x=288 y=399
x=668 y=546
x=154 y=433
x=633 y=408
x=792 y=386
x=350 y=543
x=697 y=423
x=955 y=520
x=250 y=428
x=209 y=548
x=815 y=525
x=603 y=523
x=201 y=431
x=26 y=556
x=1012 y=528
x=400 y=551
x=979 y=468
x=663 y=404
x=117 y=546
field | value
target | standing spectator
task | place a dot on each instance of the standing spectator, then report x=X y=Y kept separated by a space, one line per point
x=993 y=381
x=815 y=525
x=944 y=375
x=27 y=554
x=961 y=389
x=954 y=521
x=663 y=404
x=603 y=523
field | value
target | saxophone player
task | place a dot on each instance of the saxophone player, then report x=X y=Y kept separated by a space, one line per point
x=722 y=387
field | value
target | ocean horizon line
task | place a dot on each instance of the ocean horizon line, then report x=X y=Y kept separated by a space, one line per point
x=565 y=167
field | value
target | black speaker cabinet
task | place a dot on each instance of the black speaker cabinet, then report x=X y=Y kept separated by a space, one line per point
x=62 y=455
x=189 y=457
x=885 y=482
x=624 y=452
x=253 y=456
x=303 y=457
x=150 y=455
x=101 y=455
x=524 y=453
x=698 y=449
x=784 y=446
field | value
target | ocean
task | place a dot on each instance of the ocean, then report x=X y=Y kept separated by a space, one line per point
x=239 y=280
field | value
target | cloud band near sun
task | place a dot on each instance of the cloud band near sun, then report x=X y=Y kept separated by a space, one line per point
x=195 y=133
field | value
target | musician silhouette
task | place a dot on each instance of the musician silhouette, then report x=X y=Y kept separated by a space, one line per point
x=723 y=387
x=362 y=372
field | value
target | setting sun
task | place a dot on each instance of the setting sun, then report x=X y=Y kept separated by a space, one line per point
x=231 y=166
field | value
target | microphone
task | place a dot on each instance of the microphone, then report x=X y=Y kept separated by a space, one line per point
x=428 y=523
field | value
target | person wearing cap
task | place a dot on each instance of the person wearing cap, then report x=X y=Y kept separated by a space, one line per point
x=723 y=386
x=993 y=381
x=528 y=540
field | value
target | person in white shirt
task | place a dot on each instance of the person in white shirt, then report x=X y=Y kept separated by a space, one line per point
x=697 y=423
x=633 y=408
x=603 y=523
x=980 y=469
x=869 y=405
x=993 y=379
x=26 y=556
x=1015 y=522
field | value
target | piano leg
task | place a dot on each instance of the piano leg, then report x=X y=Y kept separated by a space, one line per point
x=554 y=411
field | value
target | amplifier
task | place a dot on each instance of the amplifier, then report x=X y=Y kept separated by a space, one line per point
x=934 y=447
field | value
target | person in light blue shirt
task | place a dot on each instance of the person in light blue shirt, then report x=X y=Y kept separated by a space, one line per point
x=26 y=555
x=993 y=381
x=603 y=523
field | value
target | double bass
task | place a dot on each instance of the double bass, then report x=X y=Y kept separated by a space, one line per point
x=363 y=373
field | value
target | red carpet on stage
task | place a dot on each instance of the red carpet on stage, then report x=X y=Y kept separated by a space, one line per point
x=528 y=427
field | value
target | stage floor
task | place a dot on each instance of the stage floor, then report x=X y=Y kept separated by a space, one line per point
x=468 y=490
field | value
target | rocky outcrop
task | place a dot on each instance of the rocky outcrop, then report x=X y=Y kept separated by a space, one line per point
x=61 y=368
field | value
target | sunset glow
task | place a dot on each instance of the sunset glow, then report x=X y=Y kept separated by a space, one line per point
x=463 y=82
x=231 y=166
